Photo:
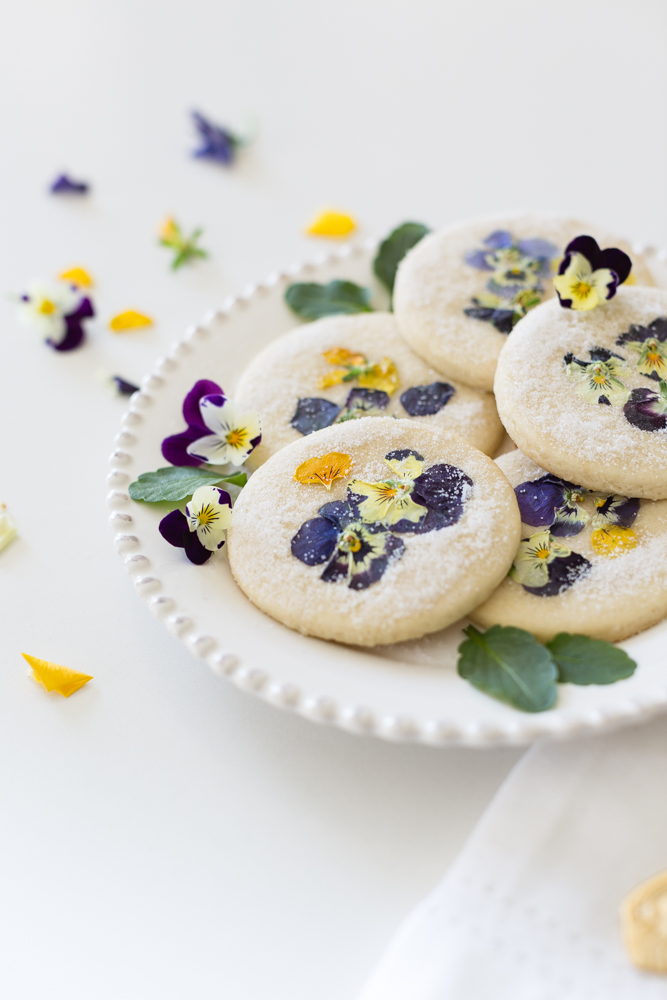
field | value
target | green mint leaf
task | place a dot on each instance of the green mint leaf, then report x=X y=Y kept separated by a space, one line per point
x=312 y=301
x=511 y=665
x=392 y=250
x=178 y=483
x=581 y=660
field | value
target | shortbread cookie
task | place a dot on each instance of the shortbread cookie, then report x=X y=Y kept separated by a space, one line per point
x=584 y=394
x=345 y=367
x=460 y=291
x=591 y=563
x=373 y=531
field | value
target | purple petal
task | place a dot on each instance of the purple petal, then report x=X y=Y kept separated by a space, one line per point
x=538 y=248
x=191 y=413
x=74 y=331
x=174 y=528
x=538 y=501
x=218 y=143
x=477 y=258
x=643 y=411
x=315 y=541
x=194 y=549
x=616 y=261
x=65 y=185
x=174 y=448
x=124 y=387
x=499 y=239
x=587 y=246
x=441 y=487
x=426 y=400
x=563 y=572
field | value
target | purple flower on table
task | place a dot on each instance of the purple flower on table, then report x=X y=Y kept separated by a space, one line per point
x=65 y=185
x=218 y=431
x=353 y=551
x=201 y=530
x=647 y=409
x=56 y=311
x=550 y=502
x=588 y=275
x=217 y=142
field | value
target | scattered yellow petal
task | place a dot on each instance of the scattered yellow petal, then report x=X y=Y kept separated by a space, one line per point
x=341 y=356
x=332 y=378
x=7 y=528
x=56 y=678
x=331 y=224
x=78 y=276
x=613 y=541
x=324 y=469
x=129 y=320
x=643 y=923
x=381 y=376
x=168 y=229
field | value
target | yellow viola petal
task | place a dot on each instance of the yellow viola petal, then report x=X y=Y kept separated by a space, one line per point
x=613 y=541
x=381 y=376
x=56 y=678
x=341 y=356
x=324 y=469
x=332 y=378
x=630 y=280
x=129 y=320
x=331 y=223
x=78 y=276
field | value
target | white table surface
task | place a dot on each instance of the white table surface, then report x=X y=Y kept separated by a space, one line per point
x=164 y=836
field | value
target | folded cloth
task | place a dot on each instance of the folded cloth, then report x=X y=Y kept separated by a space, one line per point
x=529 y=911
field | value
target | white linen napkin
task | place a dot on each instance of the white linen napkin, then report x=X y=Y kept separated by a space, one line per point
x=529 y=911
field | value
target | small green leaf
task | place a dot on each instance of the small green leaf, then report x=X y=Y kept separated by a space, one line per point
x=312 y=301
x=581 y=660
x=178 y=483
x=511 y=665
x=392 y=250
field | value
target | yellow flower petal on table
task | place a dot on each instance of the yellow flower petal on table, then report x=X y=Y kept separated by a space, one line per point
x=56 y=678
x=341 y=356
x=129 y=320
x=78 y=276
x=7 y=528
x=324 y=469
x=613 y=541
x=169 y=230
x=331 y=223
x=380 y=376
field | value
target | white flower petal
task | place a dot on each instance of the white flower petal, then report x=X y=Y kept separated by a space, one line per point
x=209 y=517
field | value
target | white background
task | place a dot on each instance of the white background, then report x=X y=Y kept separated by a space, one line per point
x=162 y=835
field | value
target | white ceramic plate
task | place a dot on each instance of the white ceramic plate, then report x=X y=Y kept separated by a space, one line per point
x=409 y=691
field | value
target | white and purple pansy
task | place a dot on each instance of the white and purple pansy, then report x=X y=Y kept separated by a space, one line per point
x=218 y=432
x=515 y=286
x=647 y=409
x=648 y=342
x=56 y=311
x=353 y=551
x=599 y=380
x=201 y=530
x=545 y=566
x=550 y=502
x=615 y=509
x=588 y=275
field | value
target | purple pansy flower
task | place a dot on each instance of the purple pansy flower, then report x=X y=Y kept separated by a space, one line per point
x=615 y=509
x=217 y=143
x=56 y=311
x=217 y=433
x=647 y=409
x=201 y=530
x=550 y=502
x=65 y=185
x=588 y=275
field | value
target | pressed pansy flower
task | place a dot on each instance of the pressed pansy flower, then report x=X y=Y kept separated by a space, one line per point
x=313 y=413
x=63 y=184
x=185 y=247
x=599 y=380
x=201 y=531
x=515 y=286
x=646 y=409
x=56 y=311
x=546 y=567
x=553 y=503
x=217 y=142
x=588 y=275
x=353 y=551
x=426 y=400
x=218 y=431
x=363 y=403
x=649 y=344
x=324 y=469
x=615 y=509
x=382 y=375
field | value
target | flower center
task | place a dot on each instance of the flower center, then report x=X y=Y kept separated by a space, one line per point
x=237 y=437
x=582 y=289
x=542 y=553
x=47 y=307
x=206 y=516
x=350 y=542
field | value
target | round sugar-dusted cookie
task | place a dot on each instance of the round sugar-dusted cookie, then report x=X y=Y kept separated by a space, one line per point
x=373 y=531
x=589 y=562
x=584 y=393
x=460 y=291
x=344 y=367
